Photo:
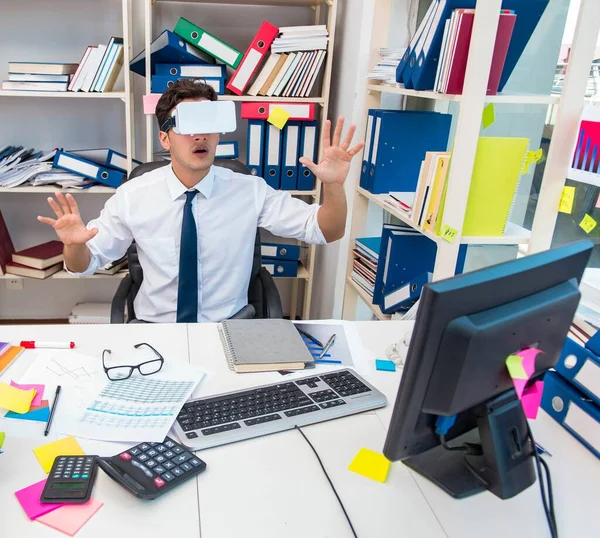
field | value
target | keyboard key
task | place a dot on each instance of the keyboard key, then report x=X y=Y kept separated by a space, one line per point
x=152 y=453
x=144 y=446
x=177 y=449
x=159 y=469
x=168 y=465
x=176 y=471
x=186 y=466
x=218 y=429
x=169 y=454
x=159 y=482
x=151 y=463
x=143 y=457
x=167 y=477
x=161 y=448
x=195 y=462
x=262 y=420
x=181 y=458
x=169 y=444
x=159 y=459
x=125 y=456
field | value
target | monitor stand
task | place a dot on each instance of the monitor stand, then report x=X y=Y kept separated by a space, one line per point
x=500 y=458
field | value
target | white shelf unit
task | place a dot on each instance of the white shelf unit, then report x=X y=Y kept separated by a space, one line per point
x=305 y=271
x=63 y=275
x=471 y=103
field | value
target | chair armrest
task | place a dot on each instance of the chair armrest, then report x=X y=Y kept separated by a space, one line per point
x=117 y=307
x=271 y=299
x=247 y=312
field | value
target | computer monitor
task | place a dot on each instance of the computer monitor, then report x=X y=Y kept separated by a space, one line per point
x=466 y=327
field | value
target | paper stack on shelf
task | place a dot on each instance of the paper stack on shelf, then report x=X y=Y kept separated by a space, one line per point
x=385 y=70
x=366 y=257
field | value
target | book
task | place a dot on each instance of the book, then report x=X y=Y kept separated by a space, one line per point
x=6 y=246
x=13 y=268
x=42 y=68
x=9 y=355
x=263 y=345
x=40 y=256
x=9 y=85
x=112 y=267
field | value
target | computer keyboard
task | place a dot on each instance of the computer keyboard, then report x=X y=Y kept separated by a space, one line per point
x=239 y=415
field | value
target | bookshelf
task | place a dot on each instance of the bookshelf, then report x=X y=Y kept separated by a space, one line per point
x=324 y=12
x=467 y=132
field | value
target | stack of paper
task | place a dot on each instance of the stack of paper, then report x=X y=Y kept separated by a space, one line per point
x=385 y=70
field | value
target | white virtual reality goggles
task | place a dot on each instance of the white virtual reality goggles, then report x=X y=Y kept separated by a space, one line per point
x=202 y=117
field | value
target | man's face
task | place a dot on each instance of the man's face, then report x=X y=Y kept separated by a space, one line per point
x=194 y=152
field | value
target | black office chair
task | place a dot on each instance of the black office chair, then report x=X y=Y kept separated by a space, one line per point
x=263 y=296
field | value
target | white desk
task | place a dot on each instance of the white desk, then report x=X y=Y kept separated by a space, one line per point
x=274 y=486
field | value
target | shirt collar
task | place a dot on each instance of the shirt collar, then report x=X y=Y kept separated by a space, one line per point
x=177 y=188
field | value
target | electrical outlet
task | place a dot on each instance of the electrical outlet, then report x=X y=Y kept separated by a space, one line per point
x=14 y=284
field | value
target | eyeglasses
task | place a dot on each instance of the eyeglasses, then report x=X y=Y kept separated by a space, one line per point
x=118 y=373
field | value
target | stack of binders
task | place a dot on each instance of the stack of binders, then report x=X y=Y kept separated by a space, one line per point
x=572 y=393
x=273 y=153
x=280 y=260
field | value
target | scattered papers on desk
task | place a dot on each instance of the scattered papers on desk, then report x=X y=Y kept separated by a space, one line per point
x=371 y=464
x=29 y=498
x=69 y=518
x=66 y=446
x=14 y=399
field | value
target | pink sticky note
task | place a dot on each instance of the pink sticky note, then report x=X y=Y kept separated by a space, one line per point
x=29 y=498
x=529 y=356
x=150 y=101
x=39 y=392
x=519 y=386
x=71 y=517
x=598 y=201
x=532 y=398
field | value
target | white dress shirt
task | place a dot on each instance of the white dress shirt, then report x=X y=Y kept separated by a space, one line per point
x=227 y=209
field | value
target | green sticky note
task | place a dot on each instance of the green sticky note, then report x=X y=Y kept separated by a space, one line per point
x=2 y=436
x=448 y=234
x=514 y=364
x=489 y=115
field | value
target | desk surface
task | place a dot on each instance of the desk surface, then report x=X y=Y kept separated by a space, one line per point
x=273 y=486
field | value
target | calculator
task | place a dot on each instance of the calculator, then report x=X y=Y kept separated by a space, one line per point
x=149 y=470
x=70 y=480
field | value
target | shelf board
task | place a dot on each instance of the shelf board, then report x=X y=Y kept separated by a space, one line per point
x=290 y=3
x=48 y=189
x=63 y=275
x=500 y=98
x=368 y=300
x=514 y=235
x=65 y=95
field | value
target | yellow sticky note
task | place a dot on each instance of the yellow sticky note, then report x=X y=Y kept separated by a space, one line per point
x=588 y=224
x=67 y=446
x=2 y=436
x=532 y=157
x=278 y=117
x=489 y=115
x=370 y=464
x=15 y=399
x=514 y=364
x=448 y=234
x=566 y=200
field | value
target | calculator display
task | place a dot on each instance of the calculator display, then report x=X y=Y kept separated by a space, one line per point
x=69 y=485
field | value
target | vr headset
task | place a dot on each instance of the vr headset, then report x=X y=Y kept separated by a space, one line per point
x=202 y=117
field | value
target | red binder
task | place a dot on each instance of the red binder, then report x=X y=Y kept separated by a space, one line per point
x=255 y=54
x=503 y=37
x=261 y=111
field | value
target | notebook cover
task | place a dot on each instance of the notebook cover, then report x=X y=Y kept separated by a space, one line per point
x=40 y=256
x=253 y=345
x=9 y=356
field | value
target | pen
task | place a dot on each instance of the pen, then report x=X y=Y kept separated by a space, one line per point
x=52 y=411
x=327 y=346
x=32 y=344
x=310 y=337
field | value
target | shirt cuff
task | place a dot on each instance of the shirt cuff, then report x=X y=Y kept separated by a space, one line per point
x=91 y=268
x=314 y=235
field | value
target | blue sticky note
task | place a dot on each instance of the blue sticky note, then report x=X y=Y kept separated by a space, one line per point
x=38 y=415
x=386 y=366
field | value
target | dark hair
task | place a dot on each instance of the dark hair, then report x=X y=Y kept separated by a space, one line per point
x=184 y=88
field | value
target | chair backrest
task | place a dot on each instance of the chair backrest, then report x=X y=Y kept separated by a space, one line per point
x=135 y=269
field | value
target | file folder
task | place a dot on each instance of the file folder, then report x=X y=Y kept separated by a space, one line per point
x=105 y=157
x=169 y=48
x=83 y=167
x=254 y=56
x=404 y=294
x=227 y=150
x=290 y=148
x=273 y=156
x=208 y=43
x=254 y=153
x=308 y=149
x=161 y=83
x=280 y=251
x=261 y=111
x=364 y=171
x=191 y=70
x=593 y=344
x=580 y=367
x=281 y=267
x=580 y=417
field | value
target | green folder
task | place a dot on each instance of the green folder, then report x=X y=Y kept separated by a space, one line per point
x=496 y=174
x=208 y=43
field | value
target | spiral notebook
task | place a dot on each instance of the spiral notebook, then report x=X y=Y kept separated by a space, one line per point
x=263 y=345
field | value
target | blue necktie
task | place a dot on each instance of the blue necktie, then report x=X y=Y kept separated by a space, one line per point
x=187 y=292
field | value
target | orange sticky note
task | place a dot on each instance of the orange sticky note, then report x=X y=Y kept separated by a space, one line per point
x=14 y=399
x=588 y=224
x=68 y=446
x=71 y=517
x=278 y=117
x=370 y=464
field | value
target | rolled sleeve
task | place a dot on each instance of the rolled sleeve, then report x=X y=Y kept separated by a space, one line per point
x=285 y=216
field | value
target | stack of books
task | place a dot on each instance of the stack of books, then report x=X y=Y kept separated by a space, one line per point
x=366 y=258
x=40 y=261
x=385 y=70
x=114 y=267
x=97 y=71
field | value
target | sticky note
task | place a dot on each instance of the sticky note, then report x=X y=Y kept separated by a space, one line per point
x=448 y=234
x=598 y=201
x=489 y=115
x=514 y=363
x=2 y=437
x=566 y=200
x=384 y=365
x=531 y=399
x=528 y=356
x=29 y=498
x=371 y=464
x=39 y=394
x=278 y=117
x=14 y=399
x=40 y=413
x=71 y=517
x=532 y=157
x=588 y=224
x=66 y=446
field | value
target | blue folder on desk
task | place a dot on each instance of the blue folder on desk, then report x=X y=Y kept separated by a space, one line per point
x=422 y=77
x=565 y=404
x=581 y=367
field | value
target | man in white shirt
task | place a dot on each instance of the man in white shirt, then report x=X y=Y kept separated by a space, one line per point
x=194 y=223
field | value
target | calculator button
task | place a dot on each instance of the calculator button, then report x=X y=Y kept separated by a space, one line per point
x=176 y=471
x=159 y=469
x=125 y=456
x=159 y=482
x=75 y=476
x=152 y=453
x=134 y=451
x=186 y=466
x=62 y=458
x=161 y=448
x=168 y=465
x=153 y=444
x=85 y=476
x=145 y=446
x=169 y=444
x=89 y=460
x=167 y=476
x=142 y=457
x=56 y=475
x=195 y=462
x=160 y=459
x=151 y=463
x=182 y=457
x=177 y=449
x=169 y=454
